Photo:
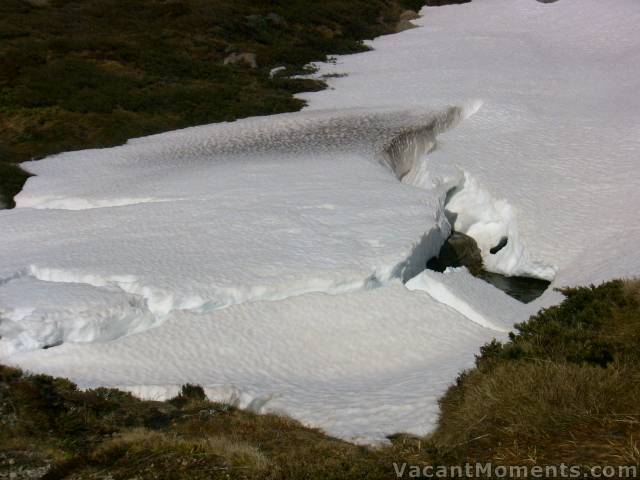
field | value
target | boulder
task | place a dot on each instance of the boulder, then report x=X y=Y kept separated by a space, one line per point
x=327 y=33
x=248 y=59
x=256 y=21
x=405 y=20
x=459 y=250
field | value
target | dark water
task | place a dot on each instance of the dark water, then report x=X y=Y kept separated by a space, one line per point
x=521 y=288
x=461 y=250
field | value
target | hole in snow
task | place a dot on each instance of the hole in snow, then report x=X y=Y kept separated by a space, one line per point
x=501 y=244
x=524 y=289
x=485 y=224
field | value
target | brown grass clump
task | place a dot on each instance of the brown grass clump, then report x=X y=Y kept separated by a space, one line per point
x=564 y=389
x=167 y=448
x=545 y=405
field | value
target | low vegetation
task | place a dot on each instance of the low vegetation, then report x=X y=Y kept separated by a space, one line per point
x=50 y=427
x=92 y=73
x=563 y=389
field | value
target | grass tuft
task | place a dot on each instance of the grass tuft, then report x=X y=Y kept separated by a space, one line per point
x=563 y=389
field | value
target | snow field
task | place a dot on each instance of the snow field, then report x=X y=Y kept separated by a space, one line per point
x=279 y=261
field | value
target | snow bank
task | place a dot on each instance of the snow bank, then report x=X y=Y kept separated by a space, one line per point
x=361 y=365
x=263 y=258
x=260 y=209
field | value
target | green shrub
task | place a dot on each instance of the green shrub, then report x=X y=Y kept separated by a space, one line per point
x=585 y=328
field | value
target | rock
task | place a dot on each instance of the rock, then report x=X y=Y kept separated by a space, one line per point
x=459 y=250
x=405 y=20
x=409 y=15
x=277 y=71
x=501 y=244
x=256 y=21
x=248 y=59
x=403 y=25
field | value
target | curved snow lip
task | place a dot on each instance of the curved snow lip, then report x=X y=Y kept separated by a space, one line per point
x=367 y=131
x=403 y=152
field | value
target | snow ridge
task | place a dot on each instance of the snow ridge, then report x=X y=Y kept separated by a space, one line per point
x=75 y=203
x=367 y=132
x=446 y=295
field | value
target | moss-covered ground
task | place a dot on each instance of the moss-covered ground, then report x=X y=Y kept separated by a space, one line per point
x=78 y=74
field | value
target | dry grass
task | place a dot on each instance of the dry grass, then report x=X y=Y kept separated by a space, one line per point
x=540 y=406
x=239 y=454
x=564 y=389
x=224 y=452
